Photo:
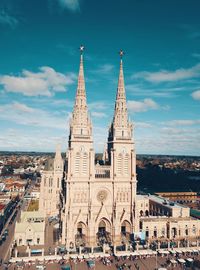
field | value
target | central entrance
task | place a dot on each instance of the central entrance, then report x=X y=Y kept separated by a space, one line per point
x=102 y=227
x=104 y=233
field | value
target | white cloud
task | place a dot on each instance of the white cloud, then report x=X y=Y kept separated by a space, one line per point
x=7 y=19
x=99 y=105
x=72 y=5
x=142 y=106
x=22 y=114
x=169 y=76
x=22 y=107
x=106 y=68
x=196 y=55
x=143 y=125
x=99 y=114
x=42 y=83
x=183 y=122
x=196 y=95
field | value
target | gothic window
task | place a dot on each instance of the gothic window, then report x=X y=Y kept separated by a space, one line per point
x=77 y=163
x=50 y=181
x=194 y=229
x=119 y=164
x=126 y=164
x=84 y=163
x=58 y=183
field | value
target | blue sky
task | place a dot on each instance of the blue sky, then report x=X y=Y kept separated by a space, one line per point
x=39 y=61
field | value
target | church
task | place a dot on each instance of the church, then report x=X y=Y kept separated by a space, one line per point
x=97 y=203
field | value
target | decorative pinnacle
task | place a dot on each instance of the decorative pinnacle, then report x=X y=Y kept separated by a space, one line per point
x=121 y=53
x=81 y=48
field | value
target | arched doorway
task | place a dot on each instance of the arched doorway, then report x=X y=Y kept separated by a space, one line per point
x=81 y=234
x=104 y=232
x=125 y=227
x=125 y=231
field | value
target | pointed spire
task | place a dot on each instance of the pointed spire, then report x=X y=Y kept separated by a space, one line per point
x=120 y=115
x=58 y=152
x=80 y=123
x=81 y=79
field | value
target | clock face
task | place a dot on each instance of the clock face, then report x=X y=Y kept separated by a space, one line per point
x=102 y=195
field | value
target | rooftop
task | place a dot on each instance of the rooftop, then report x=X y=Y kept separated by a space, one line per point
x=165 y=202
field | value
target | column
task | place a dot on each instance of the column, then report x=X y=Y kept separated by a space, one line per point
x=55 y=250
x=115 y=249
x=104 y=249
x=15 y=253
x=168 y=244
x=188 y=243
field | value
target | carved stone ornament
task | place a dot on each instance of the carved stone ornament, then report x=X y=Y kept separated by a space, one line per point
x=102 y=195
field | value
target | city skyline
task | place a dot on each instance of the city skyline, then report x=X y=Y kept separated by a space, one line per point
x=39 y=71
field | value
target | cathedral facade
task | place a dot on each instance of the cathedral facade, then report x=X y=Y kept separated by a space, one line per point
x=96 y=202
x=99 y=200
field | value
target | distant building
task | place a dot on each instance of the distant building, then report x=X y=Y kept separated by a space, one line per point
x=180 y=197
x=30 y=229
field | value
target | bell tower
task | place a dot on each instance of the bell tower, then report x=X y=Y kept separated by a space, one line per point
x=121 y=149
x=80 y=167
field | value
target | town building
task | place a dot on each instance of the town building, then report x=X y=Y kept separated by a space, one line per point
x=30 y=229
x=180 y=197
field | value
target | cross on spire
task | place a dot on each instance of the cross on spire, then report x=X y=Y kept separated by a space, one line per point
x=81 y=48
x=121 y=53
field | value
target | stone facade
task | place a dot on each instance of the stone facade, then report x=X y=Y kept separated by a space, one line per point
x=100 y=199
x=98 y=202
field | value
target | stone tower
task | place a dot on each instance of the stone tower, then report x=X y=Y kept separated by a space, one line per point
x=50 y=186
x=80 y=166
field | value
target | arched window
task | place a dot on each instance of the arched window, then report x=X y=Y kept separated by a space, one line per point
x=126 y=157
x=84 y=163
x=77 y=163
x=119 y=164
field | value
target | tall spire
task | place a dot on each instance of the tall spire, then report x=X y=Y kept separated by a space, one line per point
x=81 y=79
x=58 y=152
x=80 y=123
x=120 y=115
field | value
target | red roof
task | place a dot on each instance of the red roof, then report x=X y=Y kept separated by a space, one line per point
x=2 y=206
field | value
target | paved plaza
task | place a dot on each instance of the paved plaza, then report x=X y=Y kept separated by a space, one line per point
x=120 y=263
